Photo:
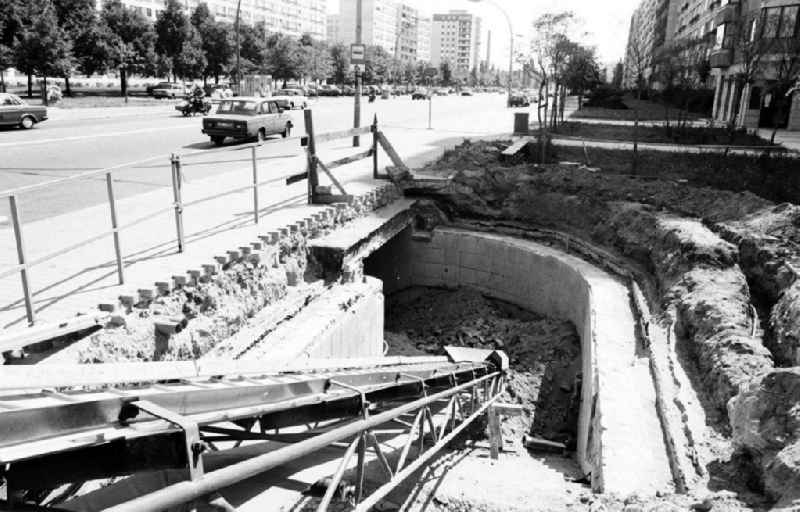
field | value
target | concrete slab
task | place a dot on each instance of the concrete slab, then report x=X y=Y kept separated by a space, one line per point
x=360 y=238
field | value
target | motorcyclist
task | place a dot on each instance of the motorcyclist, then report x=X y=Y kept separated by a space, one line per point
x=197 y=97
x=372 y=94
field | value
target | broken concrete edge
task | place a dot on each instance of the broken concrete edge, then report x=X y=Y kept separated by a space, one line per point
x=18 y=340
x=264 y=252
x=333 y=255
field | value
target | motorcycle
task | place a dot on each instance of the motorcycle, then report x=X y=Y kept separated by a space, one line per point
x=192 y=106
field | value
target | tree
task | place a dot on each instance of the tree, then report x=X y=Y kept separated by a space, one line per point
x=616 y=77
x=283 y=57
x=252 y=49
x=446 y=72
x=43 y=46
x=124 y=40
x=549 y=49
x=582 y=71
x=315 y=60
x=11 y=21
x=78 y=19
x=173 y=30
x=216 y=44
x=340 y=63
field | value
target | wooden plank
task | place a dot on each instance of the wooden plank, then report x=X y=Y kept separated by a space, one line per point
x=509 y=409
x=294 y=178
x=515 y=148
x=349 y=159
x=332 y=177
x=344 y=134
x=332 y=199
x=393 y=156
x=22 y=338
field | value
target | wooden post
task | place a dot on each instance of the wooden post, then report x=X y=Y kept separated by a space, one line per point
x=255 y=185
x=115 y=227
x=495 y=436
x=311 y=156
x=23 y=273
x=375 y=147
x=176 y=193
x=635 y=140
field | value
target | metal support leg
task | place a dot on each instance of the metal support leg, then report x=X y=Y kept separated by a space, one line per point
x=115 y=227
x=176 y=194
x=23 y=272
x=255 y=185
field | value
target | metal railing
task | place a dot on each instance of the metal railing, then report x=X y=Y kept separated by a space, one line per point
x=24 y=264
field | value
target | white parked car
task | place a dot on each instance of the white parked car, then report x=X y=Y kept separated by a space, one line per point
x=291 y=98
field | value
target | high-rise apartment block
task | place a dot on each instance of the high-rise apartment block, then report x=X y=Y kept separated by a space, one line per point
x=744 y=43
x=295 y=18
x=456 y=39
x=397 y=27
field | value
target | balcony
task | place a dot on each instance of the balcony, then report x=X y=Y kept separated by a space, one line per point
x=721 y=58
x=726 y=14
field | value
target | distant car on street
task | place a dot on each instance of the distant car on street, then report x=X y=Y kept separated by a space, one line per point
x=14 y=111
x=169 y=90
x=518 y=99
x=466 y=92
x=421 y=94
x=328 y=90
x=247 y=117
x=291 y=98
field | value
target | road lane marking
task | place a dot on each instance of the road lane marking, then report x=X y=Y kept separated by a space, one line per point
x=85 y=137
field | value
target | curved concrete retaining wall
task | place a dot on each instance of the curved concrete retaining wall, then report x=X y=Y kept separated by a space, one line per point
x=620 y=438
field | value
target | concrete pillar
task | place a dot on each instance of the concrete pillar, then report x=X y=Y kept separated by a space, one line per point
x=794 y=113
x=717 y=98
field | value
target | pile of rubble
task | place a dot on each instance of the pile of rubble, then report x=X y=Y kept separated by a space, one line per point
x=544 y=352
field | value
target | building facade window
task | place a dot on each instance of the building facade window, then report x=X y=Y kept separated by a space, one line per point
x=779 y=22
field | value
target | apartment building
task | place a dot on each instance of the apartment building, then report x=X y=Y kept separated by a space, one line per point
x=332 y=28
x=652 y=26
x=291 y=17
x=752 y=37
x=379 y=25
x=456 y=38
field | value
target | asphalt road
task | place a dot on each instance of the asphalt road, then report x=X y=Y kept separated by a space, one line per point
x=59 y=148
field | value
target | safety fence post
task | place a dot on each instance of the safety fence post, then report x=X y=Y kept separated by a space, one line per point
x=176 y=193
x=255 y=185
x=23 y=271
x=115 y=227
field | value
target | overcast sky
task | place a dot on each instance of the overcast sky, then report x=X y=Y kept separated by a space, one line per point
x=605 y=23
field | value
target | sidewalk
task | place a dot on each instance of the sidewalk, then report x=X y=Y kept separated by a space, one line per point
x=790 y=140
x=86 y=114
x=81 y=279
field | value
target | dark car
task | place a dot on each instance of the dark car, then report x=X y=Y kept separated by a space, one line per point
x=246 y=117
x=420 y=94
x=16 y=112
x=466 y=92
x=519 y=100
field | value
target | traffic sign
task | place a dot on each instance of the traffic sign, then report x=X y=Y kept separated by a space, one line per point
x=358 y=53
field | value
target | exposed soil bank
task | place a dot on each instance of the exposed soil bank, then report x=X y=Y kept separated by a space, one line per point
x=701 y=249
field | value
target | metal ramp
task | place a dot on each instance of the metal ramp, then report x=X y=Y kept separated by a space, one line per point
x=48 y=435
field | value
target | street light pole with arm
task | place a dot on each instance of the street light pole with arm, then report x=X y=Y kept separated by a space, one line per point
x=511 y=44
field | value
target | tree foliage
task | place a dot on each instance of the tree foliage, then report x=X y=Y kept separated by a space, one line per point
x=43 y=46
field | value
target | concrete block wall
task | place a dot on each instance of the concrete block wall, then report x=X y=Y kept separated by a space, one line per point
x=617 y=406
x=525 y=274
x=345 y=321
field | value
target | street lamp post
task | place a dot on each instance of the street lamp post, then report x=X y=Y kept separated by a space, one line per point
x=238 y=49
x=511 y=45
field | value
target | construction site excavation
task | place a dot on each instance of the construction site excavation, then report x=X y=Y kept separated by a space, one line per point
x=485 y=332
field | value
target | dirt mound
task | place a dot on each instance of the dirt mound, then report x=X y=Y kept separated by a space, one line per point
x=544 y=353
x=766 y=422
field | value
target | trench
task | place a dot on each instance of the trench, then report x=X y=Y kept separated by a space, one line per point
x=578 y=366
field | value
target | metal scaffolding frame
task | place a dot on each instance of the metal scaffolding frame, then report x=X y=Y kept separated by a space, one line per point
x=47 y=434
